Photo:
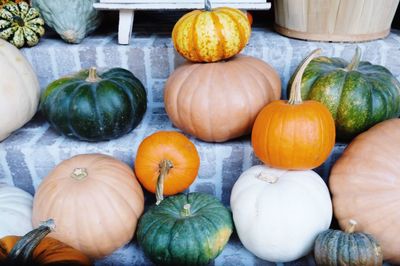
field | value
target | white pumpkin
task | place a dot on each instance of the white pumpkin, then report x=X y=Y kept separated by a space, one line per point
x=15 y=211
x=278 y=213
x=19 y=90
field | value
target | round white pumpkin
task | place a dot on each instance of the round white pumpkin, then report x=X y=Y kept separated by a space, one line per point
x=19 y=90
x=15 y=211
x=278 y=213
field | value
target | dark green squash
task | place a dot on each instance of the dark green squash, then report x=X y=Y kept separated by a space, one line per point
x=95 y=108
x=20 y=24
x=359 y=95
x=188 y=229
x=338 y=248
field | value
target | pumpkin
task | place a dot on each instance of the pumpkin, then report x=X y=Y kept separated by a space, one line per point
x=35 y=248
x=211 y=35
x=94 y=199
x=19 y=92
x=335 y=247
x=15 y=211
x=365 y=186
x=3 y=2
x=359 y=95
x=95 y=107
x=167 y=162
x=278 y=214
x=294 y=134
x=188 y=229
x=220 y=101
x=20 y=24
x=73 y=20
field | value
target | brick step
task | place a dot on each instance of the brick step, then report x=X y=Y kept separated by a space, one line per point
x=30 y=153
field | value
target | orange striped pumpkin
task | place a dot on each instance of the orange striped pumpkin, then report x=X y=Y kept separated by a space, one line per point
x=211 y=35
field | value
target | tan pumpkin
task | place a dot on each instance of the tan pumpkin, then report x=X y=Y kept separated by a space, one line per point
x=365 y=185
x=220 y=101
x=94 y=199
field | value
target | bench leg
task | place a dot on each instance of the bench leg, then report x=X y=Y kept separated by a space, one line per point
x=125 y=26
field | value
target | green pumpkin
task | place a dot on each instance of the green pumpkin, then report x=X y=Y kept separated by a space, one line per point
x=94 y=108
x=20 y=24
x=188 y=229
x=73 y=20
x=338 y=248
x=359 y=95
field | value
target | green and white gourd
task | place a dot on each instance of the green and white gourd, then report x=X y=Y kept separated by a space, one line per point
x=73 y=20
x=20 y=24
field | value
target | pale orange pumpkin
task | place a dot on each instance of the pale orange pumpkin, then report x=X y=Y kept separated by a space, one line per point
x=94 y=199
x=293 y=134
x=167 y=162
x=365 y=186
x=211 y=35
x=220 y=101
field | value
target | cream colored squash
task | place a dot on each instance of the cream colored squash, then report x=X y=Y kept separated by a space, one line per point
x=15 y=211
x=19 y=90
x=278 y=214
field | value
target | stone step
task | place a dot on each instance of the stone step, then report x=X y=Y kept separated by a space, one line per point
x=30 y=153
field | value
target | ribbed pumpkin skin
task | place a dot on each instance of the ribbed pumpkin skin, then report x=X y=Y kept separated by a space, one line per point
x=220 y=101
x=49 y=252
x=357 y=99
x=169 y=238
x=365 y=186
x=73 y=20
x=210 y=36
x=19 y=91
x=95 y=111
x=295 y=137
x=20 y=24
x=95 y=214
x=337 y=248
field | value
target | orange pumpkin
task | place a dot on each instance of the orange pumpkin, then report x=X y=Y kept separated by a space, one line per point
x=94 y=199
x=167 y=162
x=365 y=186
x=211 y=35
x=35 y=248
x=293 y=134
x=220 y=101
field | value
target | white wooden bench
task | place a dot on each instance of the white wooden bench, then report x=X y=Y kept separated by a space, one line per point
x=127 y=9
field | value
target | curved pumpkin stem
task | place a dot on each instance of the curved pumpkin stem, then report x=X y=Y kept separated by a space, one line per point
x=21 y=253
x=165 y=166
x=352 y=226
x=93 y=77
x=355 y=61
x=295 y=92
x=207 y=5
x=186 y=210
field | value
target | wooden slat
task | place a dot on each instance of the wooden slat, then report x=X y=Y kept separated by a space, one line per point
x=180 y=1
x=171 y=6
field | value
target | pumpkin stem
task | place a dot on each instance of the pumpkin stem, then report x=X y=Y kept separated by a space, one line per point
x=355 y=61
x=164 y=166
x=295 y=92
x=186 y=210
x=93 y=75
x=352 y=226
x=21 y=253
x=79 y=174
x=207 y=5
x=268 y=178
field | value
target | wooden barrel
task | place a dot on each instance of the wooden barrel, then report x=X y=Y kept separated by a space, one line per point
x=335 y=20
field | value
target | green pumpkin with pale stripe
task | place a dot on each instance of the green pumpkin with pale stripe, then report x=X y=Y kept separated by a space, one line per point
x=187 y=229
x=95 y=107
x=358 y=94
x=20 y=24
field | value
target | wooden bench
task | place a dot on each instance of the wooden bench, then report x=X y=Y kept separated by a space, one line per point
x=127 y=9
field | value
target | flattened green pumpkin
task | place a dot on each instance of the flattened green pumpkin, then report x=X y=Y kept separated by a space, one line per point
x=20 y=24
x=95 y=108
x=359 y=95
x=188 y=229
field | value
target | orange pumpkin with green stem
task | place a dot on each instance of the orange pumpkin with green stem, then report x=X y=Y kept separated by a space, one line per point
x=167 y=162
x=293 y=134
